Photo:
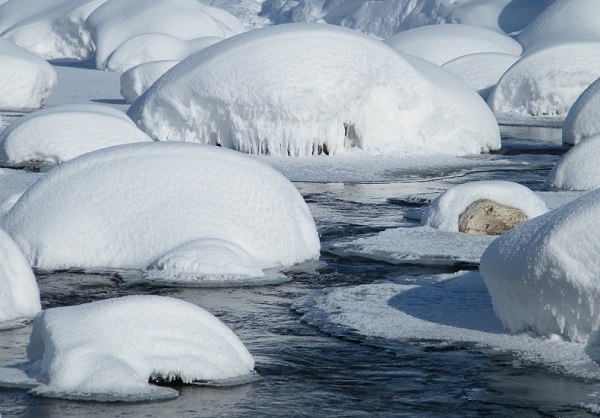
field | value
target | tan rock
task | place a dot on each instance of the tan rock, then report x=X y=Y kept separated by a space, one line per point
x=486 y=217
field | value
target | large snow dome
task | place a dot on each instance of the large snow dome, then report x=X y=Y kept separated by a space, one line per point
x=127 y=206
x=307 y=89
x=138 y=79
x=578 y=169
x=583 y=119
x=543 y=275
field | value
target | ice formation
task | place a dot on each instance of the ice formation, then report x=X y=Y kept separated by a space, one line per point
x=126 y=206
x=543 y=275
x=444 y=211
x=307 y=89
x=547 y=82
x=442 y=43
x=138 y=79
x=578 y=169
x=582 y=120
x=108 y=350
x=60 y=133
x=25 y=79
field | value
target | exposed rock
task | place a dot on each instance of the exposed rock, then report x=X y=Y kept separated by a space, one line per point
x=486 y=217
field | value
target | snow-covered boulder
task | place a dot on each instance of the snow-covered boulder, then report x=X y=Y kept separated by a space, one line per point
x=109 y=350
x=583 y=120
x=442 y=43
x=138 y=79
x=127 y=206
x=547 y=82
x=578 y=169
x=25 y=79
x=267 y=91
x=482 y=70
x=444 y=211
x=19 y=294
x=543 y=275
x=60 y=133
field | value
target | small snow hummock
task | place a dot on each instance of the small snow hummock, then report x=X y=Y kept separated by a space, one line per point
x=582 y=120
x=136 y=80
x=268 y=91
x=60 y=133
x=444 y=211
x=543 y=275
x=127 y=206
x=578 y=169
x=109 y=350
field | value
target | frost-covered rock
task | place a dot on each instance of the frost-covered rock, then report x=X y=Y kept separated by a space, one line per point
x=25 y=79
x=127 y=206
x=442 y=43
x=482 y=70
x=19 y=294
x=136 y=80
x=60 y=133
x=578 y=169
x=444 y=211
x=583 y=120
x=547 y=82
x=108 y=350
x=543 y=275
x=268 y=92
x=487 y=217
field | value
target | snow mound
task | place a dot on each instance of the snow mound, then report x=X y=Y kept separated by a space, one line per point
x=126 y=206
x=19 y=294
x=268 y=92
x=444 y=211
x=582 y=120
x=118 y=21
x=442 y=43
x=108 y=350
x=547 y=82
x=25 y=79
x=136 y=80
x=60 y=133
x=578 y=169
x=543 y=275
x=482 y=70
x=561 y=22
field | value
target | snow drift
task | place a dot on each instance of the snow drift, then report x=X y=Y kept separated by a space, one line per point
x=582 y=120
x=578 y=169
x=138 y=79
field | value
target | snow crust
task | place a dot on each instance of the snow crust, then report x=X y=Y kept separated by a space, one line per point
x=444 y=211
x=127 y=206
x=138 y=79
x=543 y=275
x=578 y=169
x=306 y=89
x=547 y=82
x=25 y=79
x=442 y=43
x=582 y=120
x=60 y=133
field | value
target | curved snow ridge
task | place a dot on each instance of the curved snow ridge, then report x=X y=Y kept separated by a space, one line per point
x=582 y=120
x=578 y=169
x=136 y=80
x=308 y=89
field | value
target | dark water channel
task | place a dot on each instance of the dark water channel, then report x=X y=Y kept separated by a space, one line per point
x=330 y=371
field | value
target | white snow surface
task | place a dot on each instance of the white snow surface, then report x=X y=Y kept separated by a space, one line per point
x=136 y=80
x=444 y=211
x=543 y=275
x=481 y=70
x=297 y=89
x=25 y=79
x=578 y=169
x=60 y=133
x=442 y=43
x=127 y=206
x=13 y=184
x=547 y=82
x=19 y=294
x=582 y=120
x=108 y=350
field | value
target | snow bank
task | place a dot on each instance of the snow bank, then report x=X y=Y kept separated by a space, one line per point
x=578 y=169
x=108 y=350
x=308 y=89
x=25 y=79
x=60 y=133
x=444 y=211
x=482 y=70
x=19 y=294
x=547 y=82
x=543 y=275
x=582 y=120
x=138 y=79
x=442 y=43
x=127 y=206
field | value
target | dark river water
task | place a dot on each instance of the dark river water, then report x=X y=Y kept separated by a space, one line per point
x=326 y=370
